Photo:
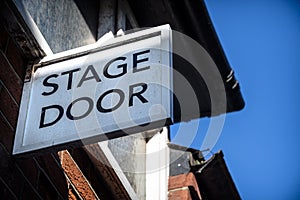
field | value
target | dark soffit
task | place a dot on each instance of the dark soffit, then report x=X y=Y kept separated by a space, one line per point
x=192 y=19
x=214 y=179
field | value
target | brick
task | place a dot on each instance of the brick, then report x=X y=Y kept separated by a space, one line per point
x=9 y=173
x=45 y=189
x=13 y=176
x=188 y=181
x=29 y=193
x=5 y=192
x=93 y=178
x=16 y=59
x=54 y=171
x=182 y=180
x=10 y=78
x=5 y=160
x=30 y=170
x=72 y=195
x=83 y=162
x=8 y=106
x=6 y=133
x=183 y=194
x=80 y=156
x=76 y=177
x=91 y=172
x=3 y=38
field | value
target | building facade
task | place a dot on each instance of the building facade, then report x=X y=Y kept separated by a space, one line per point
x=140 y=166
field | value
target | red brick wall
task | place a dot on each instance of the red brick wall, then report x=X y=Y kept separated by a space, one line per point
x=45 y=176
x=30 y=178
x=183 y=187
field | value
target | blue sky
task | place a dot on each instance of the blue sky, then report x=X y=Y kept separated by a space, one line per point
x=261 y=143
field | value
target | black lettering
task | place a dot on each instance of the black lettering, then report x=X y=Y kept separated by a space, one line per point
x=106 y=110
x=95 y=76
x=123 y=66
x=53 y=85
x=136 y=61
x=137 y=94
x=90 y=107
x=70 y=78
x=43 y=113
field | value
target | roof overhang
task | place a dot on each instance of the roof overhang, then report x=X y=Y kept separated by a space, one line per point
x=192 y=19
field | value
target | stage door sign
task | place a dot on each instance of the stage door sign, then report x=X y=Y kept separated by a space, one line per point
x=121 y=87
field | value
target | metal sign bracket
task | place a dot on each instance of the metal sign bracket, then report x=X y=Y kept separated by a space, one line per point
x=29 y=70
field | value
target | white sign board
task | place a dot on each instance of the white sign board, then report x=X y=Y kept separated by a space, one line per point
x=123 y=86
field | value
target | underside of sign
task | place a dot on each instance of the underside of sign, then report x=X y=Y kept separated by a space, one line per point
x=122 y=87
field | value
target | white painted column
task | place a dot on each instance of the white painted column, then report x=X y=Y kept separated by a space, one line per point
x=157 y=166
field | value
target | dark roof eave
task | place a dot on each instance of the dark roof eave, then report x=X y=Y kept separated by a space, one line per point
x=192 y=19
x=215 y=169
